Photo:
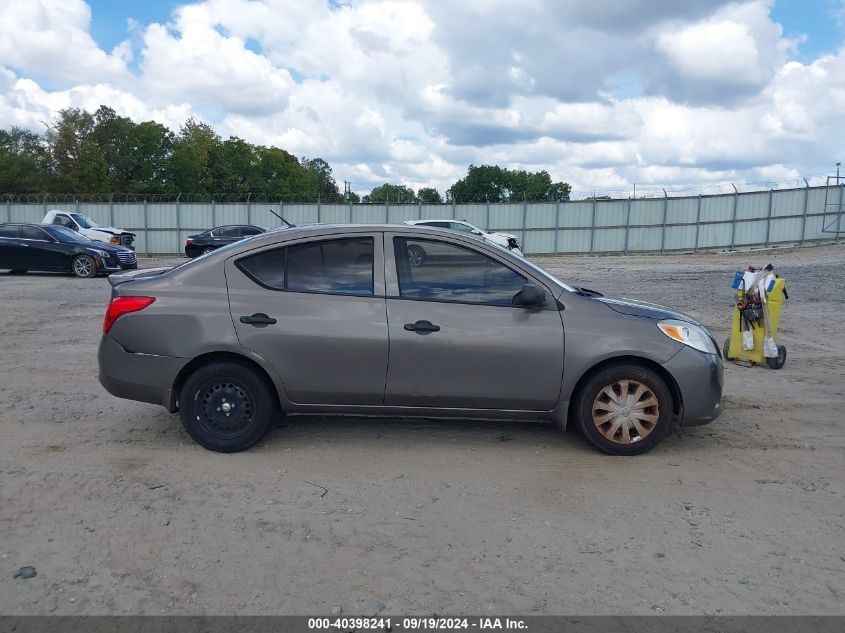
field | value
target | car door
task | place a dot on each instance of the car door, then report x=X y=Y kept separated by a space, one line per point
x=315 y=310
x=42 y=252
x=11 y=251
x=456 y=340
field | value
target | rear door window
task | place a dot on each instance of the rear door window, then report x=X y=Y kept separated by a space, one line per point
x=8 y=231
x=32 y=233
x=228 y=231
x=337 y=266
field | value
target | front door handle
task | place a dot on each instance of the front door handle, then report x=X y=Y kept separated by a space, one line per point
x=259 y=318
x=422 y=327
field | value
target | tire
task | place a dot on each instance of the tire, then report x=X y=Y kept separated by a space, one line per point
x=84 y=266
x=209 y=389
x=777 y=363
x=655 y=421
x=416 y=255
x=725 y=349
x=207 y=250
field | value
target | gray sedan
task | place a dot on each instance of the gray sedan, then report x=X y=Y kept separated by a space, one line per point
x=335 y=319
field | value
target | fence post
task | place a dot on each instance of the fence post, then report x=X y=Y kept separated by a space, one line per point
x=111 y=210
x=804 y=214
x=419 y=209
x=627 y=224
x=178 y=222
x=282 y=209
x=769 y=218
x=697 y=224
x=248 y=211
x=387 y=209
x=733 y=219
x=593 y=224
x=453 y=212
x=9 y=210
x=319 y=211
x=839 y=217
x=213 y=213
x=349 y=204
x=524 y=222
x=663 y=231
x=487 y=217
x=146 y=229
x=557 y=225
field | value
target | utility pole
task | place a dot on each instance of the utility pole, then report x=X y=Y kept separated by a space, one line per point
x=347 y=186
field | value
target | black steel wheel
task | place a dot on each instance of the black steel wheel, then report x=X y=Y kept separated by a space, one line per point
x=227 y=406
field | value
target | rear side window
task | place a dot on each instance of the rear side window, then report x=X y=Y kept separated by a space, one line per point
x=32 y=233
x=8 y=231
x=437 y=271
x=342 y=266
x=228 y=231
x=250 y=230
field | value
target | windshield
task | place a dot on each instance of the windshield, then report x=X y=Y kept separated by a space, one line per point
x=84 y=221
x=64 y=234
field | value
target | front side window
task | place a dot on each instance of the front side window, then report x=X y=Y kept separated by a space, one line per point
x=84 y=221
x=438 y=271
x=339 y=266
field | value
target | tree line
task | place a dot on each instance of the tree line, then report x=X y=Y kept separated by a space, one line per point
x=104 y=153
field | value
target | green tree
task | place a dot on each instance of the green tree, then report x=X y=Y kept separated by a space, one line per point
x=391 y=193
x=192 y=160
x=429 y=195
x=152 y=147
x=24 y=162
x=320 y=180
x=491 y=183
x=67 y=137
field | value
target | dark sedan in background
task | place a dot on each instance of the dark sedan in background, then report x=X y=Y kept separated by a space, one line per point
x=203 y=243
x=53 y=248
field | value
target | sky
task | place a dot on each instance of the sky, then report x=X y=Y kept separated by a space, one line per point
x=602 y=94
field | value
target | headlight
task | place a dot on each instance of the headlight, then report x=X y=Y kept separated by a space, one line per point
x=114 y=239
x=688 y=334
x=103 y=254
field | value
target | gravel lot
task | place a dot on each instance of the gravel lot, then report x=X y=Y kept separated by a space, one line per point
x=120 y=512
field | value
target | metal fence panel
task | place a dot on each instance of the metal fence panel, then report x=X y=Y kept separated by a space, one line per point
x=582 y=226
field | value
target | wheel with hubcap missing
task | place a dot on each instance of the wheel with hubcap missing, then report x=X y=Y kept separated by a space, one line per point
x=624 y=409
x=227 y=406
x=84 y=266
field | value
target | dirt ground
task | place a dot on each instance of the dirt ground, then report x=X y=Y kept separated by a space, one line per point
x=120 y=512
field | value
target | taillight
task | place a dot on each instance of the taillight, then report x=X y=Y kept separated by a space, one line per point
x=189 y=241
x=124 y=305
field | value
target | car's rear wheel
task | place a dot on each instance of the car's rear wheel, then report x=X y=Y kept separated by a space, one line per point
x=624 y=409
x=227 y=406
x=207 y=250
x=84 y=266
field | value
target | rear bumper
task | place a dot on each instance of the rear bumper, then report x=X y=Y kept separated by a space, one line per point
x=699 y=378
x=141 y=377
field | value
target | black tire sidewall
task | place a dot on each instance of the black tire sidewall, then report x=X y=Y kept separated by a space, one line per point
x=595 y=383
x=261 y=396
x=93 y=266
x=206 y=250
x=780 y=360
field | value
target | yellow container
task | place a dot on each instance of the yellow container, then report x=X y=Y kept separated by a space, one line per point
x=733 y=346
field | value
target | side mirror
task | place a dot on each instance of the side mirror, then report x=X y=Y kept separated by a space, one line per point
x=530 y=297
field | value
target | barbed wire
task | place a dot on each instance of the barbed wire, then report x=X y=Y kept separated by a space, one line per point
x=642 y=191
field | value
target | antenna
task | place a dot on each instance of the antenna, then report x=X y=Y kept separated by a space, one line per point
x=282 y=219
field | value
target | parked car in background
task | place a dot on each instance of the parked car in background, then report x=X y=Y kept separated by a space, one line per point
x=505 y=240
x=328 y=319
x=89 y=228
x=203 y=243
x=40 y=247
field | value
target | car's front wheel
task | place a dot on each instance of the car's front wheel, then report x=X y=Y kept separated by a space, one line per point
x=227 y=406
x=84 y=266
x=624 y=409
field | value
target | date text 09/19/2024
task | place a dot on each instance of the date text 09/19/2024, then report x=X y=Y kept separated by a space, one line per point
x=377 y=623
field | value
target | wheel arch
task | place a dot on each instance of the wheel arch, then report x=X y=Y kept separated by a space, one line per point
x=668 y=378
x=211 y=357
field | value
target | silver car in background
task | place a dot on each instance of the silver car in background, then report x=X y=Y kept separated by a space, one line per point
x=336 y=319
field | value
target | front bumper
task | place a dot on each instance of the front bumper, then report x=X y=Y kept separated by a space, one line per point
x=142 y=377
x=700 y=378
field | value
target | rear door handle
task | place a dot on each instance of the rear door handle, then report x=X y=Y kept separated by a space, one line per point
x=259 y=318
x=422 y=327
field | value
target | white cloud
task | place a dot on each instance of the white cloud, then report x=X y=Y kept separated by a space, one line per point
x=413 y=91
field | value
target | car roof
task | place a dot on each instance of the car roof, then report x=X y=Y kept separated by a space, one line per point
x=436 y=220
